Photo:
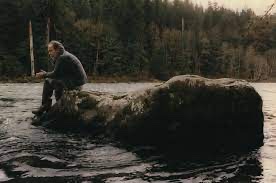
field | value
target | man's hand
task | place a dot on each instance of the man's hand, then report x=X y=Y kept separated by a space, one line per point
x=40 y=74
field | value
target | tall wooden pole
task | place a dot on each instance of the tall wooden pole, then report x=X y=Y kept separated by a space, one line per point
x=31 y=49
x=99 y=32
x=48 y=33
x=48 y=26
x=182 y=32
x=182 y=25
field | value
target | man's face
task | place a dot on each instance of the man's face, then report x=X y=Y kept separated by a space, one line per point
x=52 y=52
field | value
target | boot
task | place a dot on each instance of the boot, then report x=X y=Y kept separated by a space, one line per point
x=43 y=108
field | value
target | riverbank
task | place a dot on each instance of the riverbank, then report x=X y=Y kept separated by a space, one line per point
x=91 y=79
x=111 y=79
x=269 y=80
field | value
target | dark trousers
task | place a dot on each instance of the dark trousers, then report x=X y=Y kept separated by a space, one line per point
x=56 y=86
x=50 y=86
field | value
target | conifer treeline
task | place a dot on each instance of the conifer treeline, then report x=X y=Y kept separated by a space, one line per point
x=158 y=38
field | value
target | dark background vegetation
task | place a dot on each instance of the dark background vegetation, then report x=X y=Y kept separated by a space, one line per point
x=139 y=37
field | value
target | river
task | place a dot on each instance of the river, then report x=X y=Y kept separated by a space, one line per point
x=35 y=154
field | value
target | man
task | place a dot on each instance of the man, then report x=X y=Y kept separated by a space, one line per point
x=68 y=74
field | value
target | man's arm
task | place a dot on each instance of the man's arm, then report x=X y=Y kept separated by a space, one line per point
x=40 y=74
x=53 y=74
x=50 y=74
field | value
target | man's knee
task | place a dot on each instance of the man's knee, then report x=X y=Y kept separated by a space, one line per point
x=48 y=85
x=58 y=94
x=48 y=81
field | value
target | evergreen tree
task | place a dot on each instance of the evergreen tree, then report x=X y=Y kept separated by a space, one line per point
x=150 y=37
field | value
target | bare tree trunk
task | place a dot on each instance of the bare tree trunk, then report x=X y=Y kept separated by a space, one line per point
x=182 y=34
x=48 y=38
x=48 y=30
x=99 y=32
x=31 y=49
x=97 y=59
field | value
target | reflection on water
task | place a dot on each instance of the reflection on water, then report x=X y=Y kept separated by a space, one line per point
x=36 y=154
x=268 y=151
x=3 y=176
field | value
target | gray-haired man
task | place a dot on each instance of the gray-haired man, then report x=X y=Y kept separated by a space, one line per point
x=68 y=74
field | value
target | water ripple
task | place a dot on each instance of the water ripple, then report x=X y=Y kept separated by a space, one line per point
x=36 y=154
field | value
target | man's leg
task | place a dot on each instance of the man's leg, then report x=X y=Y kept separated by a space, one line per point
x=59 y=88
x=47 y=93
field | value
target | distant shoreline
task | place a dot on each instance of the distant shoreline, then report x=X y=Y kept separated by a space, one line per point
x=91 y=79
x=270 y=80
x=110 y=79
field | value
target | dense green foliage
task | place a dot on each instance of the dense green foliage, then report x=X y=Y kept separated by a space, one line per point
x=139 y=37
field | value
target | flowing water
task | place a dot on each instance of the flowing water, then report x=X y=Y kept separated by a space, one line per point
x=36 y=154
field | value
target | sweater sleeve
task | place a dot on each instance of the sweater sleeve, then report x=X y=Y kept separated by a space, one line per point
x=54 y=73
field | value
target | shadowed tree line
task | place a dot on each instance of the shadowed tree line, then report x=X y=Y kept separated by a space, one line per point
x=153 y=38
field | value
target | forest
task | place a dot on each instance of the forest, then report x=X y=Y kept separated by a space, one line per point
x=149 y=38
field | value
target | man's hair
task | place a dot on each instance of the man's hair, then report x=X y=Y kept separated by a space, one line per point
x=57 y=45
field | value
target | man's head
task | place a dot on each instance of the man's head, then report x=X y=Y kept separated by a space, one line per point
x=55 y=49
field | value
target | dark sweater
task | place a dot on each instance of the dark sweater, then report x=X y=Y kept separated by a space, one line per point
x=68 y=69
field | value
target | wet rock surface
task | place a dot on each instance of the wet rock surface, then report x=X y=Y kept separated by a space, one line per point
x=188 y=112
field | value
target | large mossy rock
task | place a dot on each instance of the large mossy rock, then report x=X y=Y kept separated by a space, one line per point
x=187 y=111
